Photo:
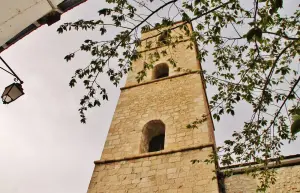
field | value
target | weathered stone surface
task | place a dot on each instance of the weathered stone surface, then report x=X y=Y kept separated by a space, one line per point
x=165 y=100
x=128 y=176
x=287 y=181
x=176 y=101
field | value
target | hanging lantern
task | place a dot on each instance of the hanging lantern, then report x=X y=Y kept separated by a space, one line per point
x=12 y=92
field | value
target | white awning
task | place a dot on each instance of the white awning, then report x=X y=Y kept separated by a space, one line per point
x=20 y=17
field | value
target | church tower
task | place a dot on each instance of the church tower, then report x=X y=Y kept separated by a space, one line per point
x=149 y=147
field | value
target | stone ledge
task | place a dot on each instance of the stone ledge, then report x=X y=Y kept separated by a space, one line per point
x=161 y=79
x=286 y=162
x=162 y=46
x=164 y=152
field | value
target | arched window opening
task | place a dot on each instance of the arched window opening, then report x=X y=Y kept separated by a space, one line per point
x=157 y=143
x=161 y=71
x=153 y=137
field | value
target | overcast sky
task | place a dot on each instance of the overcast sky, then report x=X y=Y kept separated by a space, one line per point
x=43 y=146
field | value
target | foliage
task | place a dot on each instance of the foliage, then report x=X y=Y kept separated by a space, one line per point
x=194 y=124
x=255 y=63
x=295 y=127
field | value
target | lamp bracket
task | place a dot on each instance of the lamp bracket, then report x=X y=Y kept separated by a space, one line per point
x=11 y=71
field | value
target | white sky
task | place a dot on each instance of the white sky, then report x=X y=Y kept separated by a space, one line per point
x=43 y=146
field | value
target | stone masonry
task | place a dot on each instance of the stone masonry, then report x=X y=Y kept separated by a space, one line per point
x=176 y=100
x=158 y=173
x=287 y=179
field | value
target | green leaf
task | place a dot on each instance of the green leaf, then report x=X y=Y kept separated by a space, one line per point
x=251 y=23
x=295 y=111
x=296 y=117
x=254 y=32
x=104 y=11
x=258 y=34
x=250 y=34
x=295 y=128
x=83 y=120
x=102 y=30
x=105 y=97
x=278 y=4
x=185 y=17
x=97 y=103
x=197 y=2
x=72 y=82
x=195 y=161
x=69 y=57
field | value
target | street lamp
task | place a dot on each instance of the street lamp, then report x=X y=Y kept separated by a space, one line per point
x=13 y=91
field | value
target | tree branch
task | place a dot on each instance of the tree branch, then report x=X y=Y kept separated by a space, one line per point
x=284 y=36
x=284 y=102
x=177 y=26
x=272 y=70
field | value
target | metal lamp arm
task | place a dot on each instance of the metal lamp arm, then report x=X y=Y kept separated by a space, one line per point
x=11 y=71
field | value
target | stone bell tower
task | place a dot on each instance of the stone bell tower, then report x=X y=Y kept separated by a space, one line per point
x=148 y=147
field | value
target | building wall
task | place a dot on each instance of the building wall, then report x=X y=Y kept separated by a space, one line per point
x=170 y=173
x=19 y=18
x=288 y=181
x=15 y=16
x=176 y=100
x=185 y=58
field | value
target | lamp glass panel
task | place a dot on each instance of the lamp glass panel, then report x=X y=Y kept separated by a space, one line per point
x=7 y=99
x=15 y=92
x=7 y=89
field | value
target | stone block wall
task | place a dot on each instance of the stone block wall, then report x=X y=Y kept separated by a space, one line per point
x=288 y=181
x=175 y=101
x=153 y=35
x=167 y=173
x=184 y=57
